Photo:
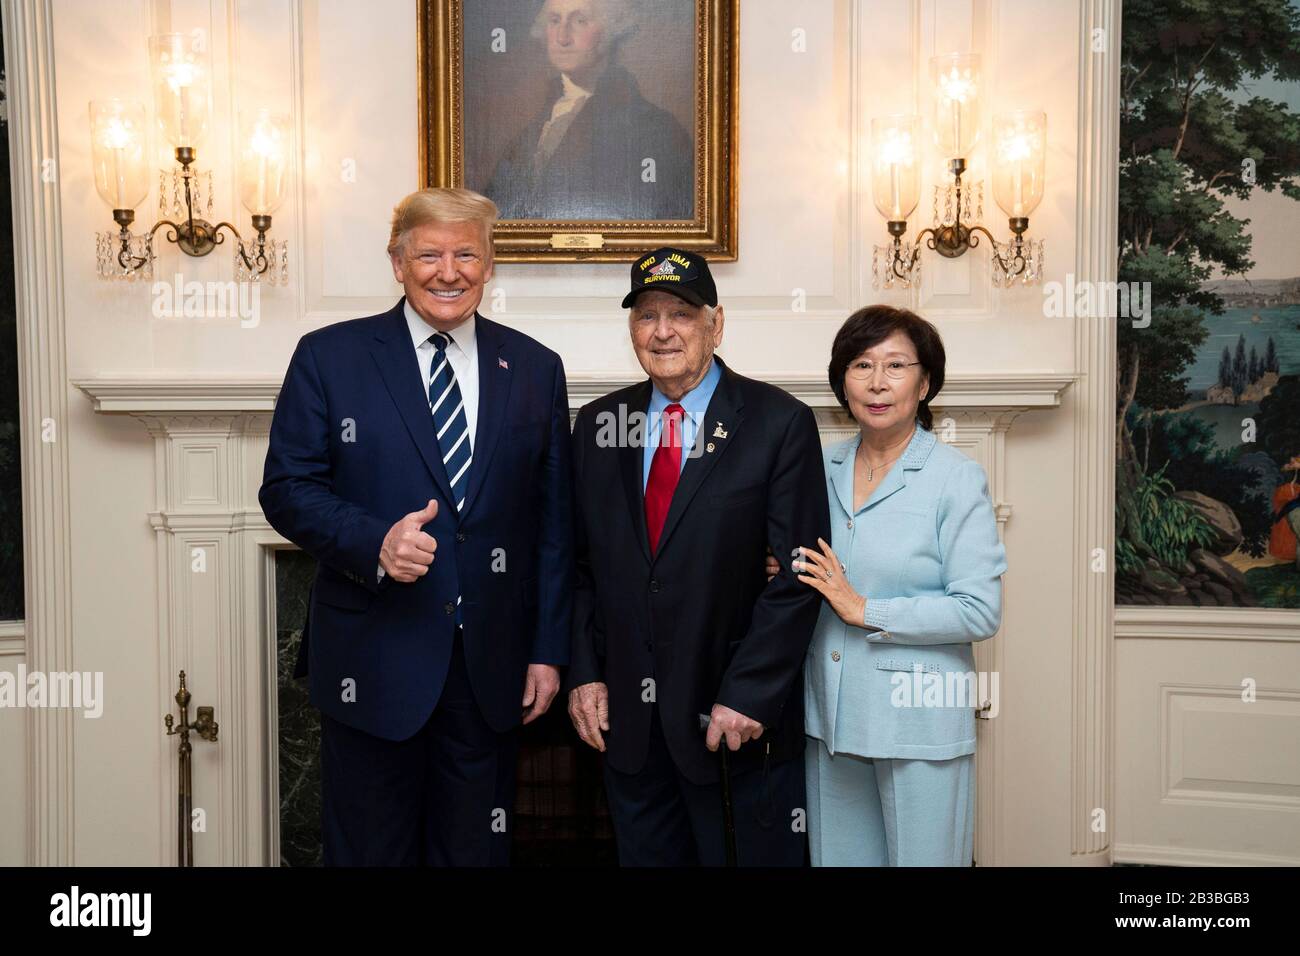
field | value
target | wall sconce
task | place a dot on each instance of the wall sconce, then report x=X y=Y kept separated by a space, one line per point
x=1019 y=148
x=182 y=101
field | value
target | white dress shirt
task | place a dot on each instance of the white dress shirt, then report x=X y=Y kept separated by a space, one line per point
x=572 y=98
x=463 y=355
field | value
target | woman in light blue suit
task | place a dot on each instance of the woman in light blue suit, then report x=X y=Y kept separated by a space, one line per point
x=890 y=683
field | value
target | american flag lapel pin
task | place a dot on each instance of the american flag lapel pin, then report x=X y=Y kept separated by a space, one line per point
x=502 y=363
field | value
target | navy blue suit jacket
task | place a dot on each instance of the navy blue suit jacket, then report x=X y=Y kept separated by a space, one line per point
x=352 y=450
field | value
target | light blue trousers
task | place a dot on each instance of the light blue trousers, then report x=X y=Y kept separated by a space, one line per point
x=865 y=812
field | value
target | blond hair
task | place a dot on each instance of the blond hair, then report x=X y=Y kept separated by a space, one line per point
x=431 y=206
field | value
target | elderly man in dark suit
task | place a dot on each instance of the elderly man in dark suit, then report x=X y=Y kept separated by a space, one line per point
x=674 y=617
x=599 y=149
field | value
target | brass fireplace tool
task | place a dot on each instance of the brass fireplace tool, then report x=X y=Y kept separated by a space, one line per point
x=206 y=727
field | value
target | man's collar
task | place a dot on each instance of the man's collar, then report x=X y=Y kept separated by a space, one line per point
x=571 y=90
x=659 y=401
x=462 y=335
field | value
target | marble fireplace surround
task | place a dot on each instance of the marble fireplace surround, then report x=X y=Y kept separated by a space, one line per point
x=218 y=625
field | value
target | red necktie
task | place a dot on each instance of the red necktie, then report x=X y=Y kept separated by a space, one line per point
x=665 y=469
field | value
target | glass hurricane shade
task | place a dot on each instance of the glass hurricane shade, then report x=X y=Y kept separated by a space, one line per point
x=181 y=88
x=117 y=141
x=264 y=162
x=1019 y=147
x=956 y=80
x=895 y=165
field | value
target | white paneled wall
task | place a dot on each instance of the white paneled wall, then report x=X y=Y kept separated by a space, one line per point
x=13 y=782
x=1208 y=744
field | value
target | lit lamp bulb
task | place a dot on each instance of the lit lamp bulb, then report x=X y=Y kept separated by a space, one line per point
x=895 y=172
x=265 y=162
x=956 y=81
x=1020 y=147
x=180 y=79
x=117 y=152
x=180 y=86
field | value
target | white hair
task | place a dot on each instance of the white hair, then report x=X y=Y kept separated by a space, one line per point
x=619 y=16
x=710 y=311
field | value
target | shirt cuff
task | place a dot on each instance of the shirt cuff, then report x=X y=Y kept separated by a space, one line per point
x=876 y=619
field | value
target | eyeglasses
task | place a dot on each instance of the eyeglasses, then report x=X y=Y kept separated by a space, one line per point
x=894 y=370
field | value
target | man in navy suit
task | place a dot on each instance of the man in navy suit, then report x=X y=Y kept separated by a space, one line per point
x=421 y=456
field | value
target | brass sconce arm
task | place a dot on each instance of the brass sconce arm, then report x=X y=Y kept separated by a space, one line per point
x=195 y=237
x=952 y=240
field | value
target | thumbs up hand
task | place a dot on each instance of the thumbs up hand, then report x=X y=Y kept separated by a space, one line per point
x=407 y=551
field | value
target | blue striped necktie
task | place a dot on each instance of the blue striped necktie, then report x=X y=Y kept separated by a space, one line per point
x=449 y=419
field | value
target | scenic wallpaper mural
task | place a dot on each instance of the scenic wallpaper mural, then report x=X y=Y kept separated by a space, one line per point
x=1208 y=411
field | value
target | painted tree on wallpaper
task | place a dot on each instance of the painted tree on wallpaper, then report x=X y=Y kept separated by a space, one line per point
x=1208 y=412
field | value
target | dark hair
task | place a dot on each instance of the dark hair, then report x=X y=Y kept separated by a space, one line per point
x=870 y=326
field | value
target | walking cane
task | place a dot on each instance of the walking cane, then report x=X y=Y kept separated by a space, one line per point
x=728 y=816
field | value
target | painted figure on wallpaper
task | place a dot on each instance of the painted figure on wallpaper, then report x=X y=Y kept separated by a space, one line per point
x=1208 y=430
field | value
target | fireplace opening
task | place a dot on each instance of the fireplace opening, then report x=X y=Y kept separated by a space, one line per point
x=561 y=815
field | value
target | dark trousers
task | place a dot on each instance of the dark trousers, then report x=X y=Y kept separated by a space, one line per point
x=443 y=797
x=662 y=819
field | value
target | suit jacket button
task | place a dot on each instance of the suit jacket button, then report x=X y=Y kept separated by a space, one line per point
x=449 y=607
x=460 y=536
x=835 y=656
x=654 y=585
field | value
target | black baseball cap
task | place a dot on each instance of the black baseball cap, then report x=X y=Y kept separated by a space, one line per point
x=675 y=271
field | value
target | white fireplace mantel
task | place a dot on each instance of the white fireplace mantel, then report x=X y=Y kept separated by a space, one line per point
x=151 y=394
x=216 y=568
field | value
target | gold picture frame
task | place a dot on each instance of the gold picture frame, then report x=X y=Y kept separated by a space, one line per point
x=538 y=234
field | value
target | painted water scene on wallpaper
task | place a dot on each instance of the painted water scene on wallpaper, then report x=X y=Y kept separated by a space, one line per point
x=1208 y=414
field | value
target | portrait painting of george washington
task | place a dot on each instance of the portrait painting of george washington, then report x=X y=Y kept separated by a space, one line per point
x=605 y=117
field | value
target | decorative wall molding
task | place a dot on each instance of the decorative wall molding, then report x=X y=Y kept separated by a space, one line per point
x=218 y=623
x=1187 y=710
x=209 y=536
x=150 y=394
x=157 y=395
x=1256 y=625
x=1096 y=260
x=43 y=411
x=13 y=639
x=1172 y=856
x=1209 y=703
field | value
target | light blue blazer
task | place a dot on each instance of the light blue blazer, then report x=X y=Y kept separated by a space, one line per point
x=925 y=553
